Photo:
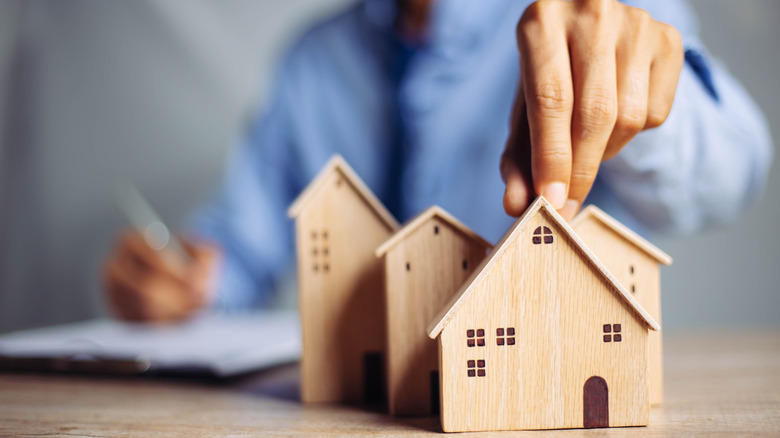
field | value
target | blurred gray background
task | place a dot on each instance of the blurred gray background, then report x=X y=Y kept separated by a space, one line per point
x=157 y=92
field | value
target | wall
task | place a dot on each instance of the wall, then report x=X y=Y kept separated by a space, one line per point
x=156 y=92
x=730 y=277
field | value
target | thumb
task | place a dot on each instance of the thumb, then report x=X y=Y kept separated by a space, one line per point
x=516 y=160
x=517 y=195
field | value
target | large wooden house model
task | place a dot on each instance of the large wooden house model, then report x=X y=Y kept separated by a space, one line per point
x=635 y=262
x=426 y=262
x=542 y=336
x=339 y=223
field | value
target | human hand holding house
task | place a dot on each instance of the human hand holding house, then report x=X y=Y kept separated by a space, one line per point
x=594 y=74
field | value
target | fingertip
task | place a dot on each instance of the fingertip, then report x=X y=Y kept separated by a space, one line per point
x=555 y=193
x=569 y=209
x=515 y=196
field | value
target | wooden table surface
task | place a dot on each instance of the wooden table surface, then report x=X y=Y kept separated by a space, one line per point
x=716 y=385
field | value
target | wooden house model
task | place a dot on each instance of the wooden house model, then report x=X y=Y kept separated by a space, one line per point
x=426 y=262
x=542 y=336
x=635 y=263
x=338 y=224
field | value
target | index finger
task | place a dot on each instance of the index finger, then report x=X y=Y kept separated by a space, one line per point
x=547 y=84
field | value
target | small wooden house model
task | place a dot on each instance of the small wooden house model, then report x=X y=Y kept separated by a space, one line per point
x=635 y=263
x=542 y=336
x=338 y=224
x=426 y=262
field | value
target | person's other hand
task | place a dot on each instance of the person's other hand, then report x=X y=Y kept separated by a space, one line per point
x=594 y=74
x=143 y=284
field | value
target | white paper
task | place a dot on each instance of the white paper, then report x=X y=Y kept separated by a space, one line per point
x=220 y=344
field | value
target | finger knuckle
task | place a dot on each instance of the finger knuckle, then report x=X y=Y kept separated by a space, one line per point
x=598 y=109
x=582 y=178
x=639 y=18
x=596 y=9
x=670 y=38
x=535 y=12
x=537 y=18
x=656 y=118
x=552 y=158
x=584 y=175
x=631 y=120
x=552 y=97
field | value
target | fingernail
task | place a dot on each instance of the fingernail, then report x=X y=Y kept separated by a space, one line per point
x=555 y=193
x=569 y=209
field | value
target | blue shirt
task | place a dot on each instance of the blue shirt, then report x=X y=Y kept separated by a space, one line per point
x=427 y=125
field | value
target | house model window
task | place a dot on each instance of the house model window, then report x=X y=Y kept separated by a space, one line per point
x=542 y=234
x=475 y=337
x=476 y=368
x=320 y=252
x=505 y=336
x=612 y=333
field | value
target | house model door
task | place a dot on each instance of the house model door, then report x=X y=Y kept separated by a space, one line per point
x=373 y=372
x=596 y=403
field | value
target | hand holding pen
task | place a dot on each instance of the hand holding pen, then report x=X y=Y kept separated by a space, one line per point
x=151 y=275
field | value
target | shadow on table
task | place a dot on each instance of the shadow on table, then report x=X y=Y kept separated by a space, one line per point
x=283 y=383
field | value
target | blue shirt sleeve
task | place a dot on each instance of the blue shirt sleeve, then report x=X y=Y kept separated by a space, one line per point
x=247 y=218
x=709 y=160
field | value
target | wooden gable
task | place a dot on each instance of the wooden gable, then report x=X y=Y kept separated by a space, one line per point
x=539 y=318
x=426 y=261
x=595 y=214
x=516 y=232
x=339 y=223
x=434 y=212
x=338 y=171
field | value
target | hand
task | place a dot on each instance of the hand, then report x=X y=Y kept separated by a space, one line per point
x=594 y=74
x=148 y=285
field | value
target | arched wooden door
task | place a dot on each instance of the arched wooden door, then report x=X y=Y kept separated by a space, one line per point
x=596 y=403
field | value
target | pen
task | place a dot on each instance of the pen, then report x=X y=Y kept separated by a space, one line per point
x=142 y=217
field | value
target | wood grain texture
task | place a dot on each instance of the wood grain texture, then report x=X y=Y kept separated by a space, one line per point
x=635 y=263
x=443 y=318
x=559 y=302
x=592 y=212
x=426 y=264
x=338 y=164
x=718 y=384
x=341 y=287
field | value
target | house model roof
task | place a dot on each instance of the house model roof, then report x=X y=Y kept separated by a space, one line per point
x=419 y=220
x=449 y=311
x=339 y=165
x=594 y=212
